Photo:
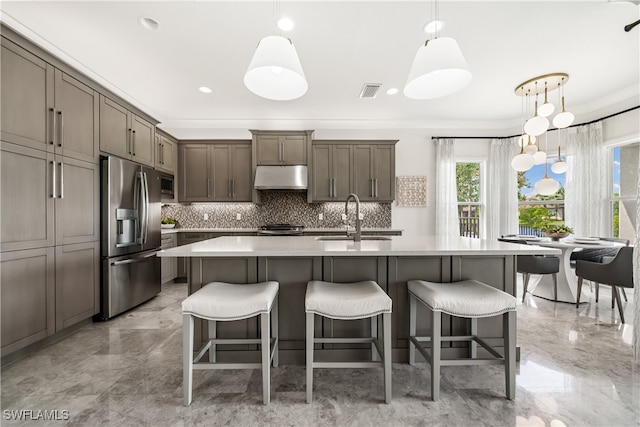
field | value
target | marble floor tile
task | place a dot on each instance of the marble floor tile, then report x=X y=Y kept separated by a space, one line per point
x=576 y=369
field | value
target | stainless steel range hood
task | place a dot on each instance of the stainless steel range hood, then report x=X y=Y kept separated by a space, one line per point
x=281 y=178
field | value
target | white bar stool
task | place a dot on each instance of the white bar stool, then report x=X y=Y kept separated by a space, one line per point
x=349 y=301
x=467 y=299
x=218 y=301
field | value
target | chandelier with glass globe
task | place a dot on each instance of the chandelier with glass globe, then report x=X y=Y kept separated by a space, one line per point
x=536 y=124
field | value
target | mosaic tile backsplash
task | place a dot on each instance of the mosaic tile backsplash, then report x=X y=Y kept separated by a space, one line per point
x=276 y=208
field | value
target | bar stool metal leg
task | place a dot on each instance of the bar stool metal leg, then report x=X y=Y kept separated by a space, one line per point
x=374 y=334
x=212 y=344
x=474 y=345
x=412 y=328
x=309 y=352
x=386 y=320
x=436 y=325
x=187 y=358
x=266 y=357
x=274 y=325
x=509 y=332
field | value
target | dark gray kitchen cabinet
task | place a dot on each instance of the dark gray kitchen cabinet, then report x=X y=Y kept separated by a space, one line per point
x=125 y=134
x=364 y=167
x=166 y=153
x=26 y=190
x=27 y=297
x=75 y=119
x=374 y=172
x=77 y=202
x=331 y=172
x=215 y=172
x=169 y=266
x=194 y=171
x=231 y=172
x=77 y=275
x=45 y=108
x=27 y=96
x=281 y=147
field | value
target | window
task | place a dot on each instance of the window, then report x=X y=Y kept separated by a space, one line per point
x=469 y=185
x=624 y=191
x=535 y=211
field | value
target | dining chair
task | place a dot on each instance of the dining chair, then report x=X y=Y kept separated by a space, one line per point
x=534 y=264
x=600 y=255
x=616 y=272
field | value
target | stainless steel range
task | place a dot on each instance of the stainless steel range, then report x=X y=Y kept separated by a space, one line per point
x=281 y=230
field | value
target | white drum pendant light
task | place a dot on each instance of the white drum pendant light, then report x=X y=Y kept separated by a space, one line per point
x=275 y=71
x=439 y=69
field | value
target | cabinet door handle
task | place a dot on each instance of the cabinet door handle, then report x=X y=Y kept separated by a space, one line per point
x=162 y=151
x=233 y=187
x=61 y=130
x=52 y=126
x=61 y=195
x=133 y=145
x=159 y=151
x=371 y=187
x=53 y=179
x=208 y=187
x=376 y=186
x=129 y=141
x=334 y=188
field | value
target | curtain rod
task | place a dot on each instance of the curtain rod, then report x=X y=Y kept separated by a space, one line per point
x=513 y=136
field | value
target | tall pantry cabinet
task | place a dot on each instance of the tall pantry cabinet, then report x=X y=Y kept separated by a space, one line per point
x=49 y=189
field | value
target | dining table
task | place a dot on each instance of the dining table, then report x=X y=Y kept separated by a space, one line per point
x=567 y=281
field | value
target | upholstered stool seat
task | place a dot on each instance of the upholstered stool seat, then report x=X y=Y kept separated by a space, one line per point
x=349 y=301
x=219 y=301
x=468 y=299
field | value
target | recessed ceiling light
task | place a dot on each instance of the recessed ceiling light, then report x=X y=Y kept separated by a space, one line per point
x=392 y=91
x=285 y=24
x=433 y=26
x=204 y=89
x=148 y=23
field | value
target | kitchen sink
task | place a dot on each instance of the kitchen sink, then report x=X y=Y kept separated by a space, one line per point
x=337 y=238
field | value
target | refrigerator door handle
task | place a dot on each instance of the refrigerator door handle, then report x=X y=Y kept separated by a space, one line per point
x=143 y=207
x=134 y=260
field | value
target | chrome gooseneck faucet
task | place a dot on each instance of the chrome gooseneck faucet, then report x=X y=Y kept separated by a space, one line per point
x=358 y=236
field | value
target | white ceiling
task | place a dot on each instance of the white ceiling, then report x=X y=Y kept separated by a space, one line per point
x=342 y=45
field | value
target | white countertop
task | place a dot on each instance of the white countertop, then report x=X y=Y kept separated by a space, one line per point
x=233 y=246
x=255 y=230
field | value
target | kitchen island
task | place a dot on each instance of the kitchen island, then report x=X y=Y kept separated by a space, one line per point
x=389 y=260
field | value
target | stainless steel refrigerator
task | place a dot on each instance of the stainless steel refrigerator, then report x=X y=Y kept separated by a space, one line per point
x=130 y=235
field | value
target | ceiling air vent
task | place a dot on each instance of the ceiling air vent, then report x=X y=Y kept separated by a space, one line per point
x=370 y=90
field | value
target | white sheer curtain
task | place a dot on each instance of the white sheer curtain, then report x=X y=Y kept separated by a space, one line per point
x=447 y=223
x=636 y=282
x=586 y=192
x=502 y=197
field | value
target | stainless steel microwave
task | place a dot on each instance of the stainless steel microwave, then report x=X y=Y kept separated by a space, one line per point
x=167 y=186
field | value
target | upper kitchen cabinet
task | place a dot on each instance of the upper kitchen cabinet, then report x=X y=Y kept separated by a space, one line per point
x=124 y=134
x=27 y=96
x=166 y=153
x=374 y=171
x=45 y=108
x=281 y=147
x=364 y=167
x=330 y=172
x=215 y=172
x=75 y=119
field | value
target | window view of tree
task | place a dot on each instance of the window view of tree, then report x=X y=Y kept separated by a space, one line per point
x=536 y=211
x=468 y=186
